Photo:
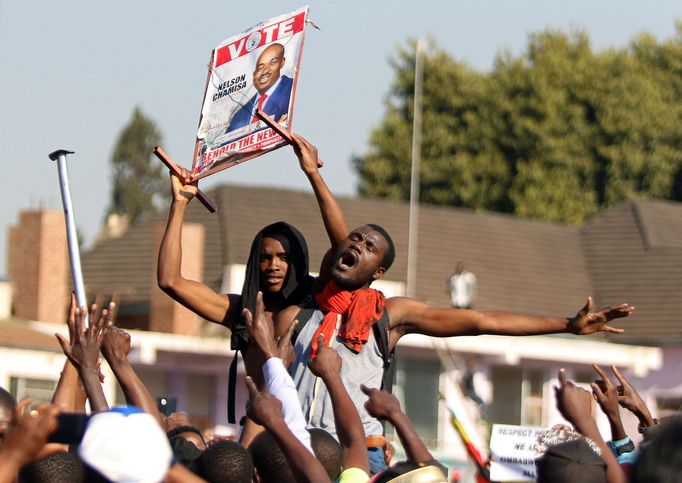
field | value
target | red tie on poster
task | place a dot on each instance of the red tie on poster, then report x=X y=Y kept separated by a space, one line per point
x=261 y=101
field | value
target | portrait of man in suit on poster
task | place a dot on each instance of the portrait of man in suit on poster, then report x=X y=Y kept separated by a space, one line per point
x=273 y=90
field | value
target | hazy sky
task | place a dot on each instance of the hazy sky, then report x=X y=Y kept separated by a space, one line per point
x=72 y=71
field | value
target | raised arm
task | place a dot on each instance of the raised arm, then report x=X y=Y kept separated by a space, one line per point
x=327 y=366
x=633 y=402
x=575 y=404
x=194 y=295
x=65 y=393
x=115 y=349
x=24 y=440
x=384 y=406
x=410 y=316
x=266 y=410
x=276 y=378
x=84 y=351
x=332 y=214
x=606 y=395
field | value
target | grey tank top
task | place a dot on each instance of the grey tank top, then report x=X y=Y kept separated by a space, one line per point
x=366 y=368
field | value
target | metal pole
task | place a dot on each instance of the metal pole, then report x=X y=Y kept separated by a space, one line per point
x=413 y=228
x=72 y=238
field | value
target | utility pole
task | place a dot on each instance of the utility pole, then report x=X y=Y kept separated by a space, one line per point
x=413 y=227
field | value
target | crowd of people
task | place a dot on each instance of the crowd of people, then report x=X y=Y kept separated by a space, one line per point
x=318 y=354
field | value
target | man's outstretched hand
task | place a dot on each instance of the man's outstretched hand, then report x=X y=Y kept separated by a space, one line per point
x=588 y=322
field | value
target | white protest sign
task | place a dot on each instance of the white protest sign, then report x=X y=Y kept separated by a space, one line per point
x=512 y=450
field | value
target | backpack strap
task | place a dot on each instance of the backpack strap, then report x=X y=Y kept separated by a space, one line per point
x=232 y=387
x=307 y=309
x=381 y=333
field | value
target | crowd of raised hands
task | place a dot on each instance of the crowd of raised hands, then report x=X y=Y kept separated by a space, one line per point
x=580 y=453
x=138 y=443
x=61 y=441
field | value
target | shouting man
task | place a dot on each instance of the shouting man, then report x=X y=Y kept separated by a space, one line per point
x=347 y=308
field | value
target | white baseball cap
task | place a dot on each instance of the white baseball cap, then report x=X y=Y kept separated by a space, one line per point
x=126 y=445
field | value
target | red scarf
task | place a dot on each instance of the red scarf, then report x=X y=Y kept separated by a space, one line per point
x=359 y=311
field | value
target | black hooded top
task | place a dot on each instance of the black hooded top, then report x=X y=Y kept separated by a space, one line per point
x=296 y=285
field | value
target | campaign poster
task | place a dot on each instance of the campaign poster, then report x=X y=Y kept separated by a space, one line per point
x=257 y=69
x=512 y=452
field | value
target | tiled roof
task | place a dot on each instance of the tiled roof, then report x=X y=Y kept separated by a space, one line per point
x=125 y=266
x=629 y=253
x=634 y=254
x=16 y=334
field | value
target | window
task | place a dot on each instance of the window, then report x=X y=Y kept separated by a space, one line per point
x=39 y=390
x=518 y=395
x=507 y=384
x=585 y=377
x=419 y=380
x=533 y=397
x=199 y=396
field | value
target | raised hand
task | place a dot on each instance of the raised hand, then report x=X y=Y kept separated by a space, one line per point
x=588 y=322
x=381 y=404
x=263 y=408
x=285 y=348
x=20 y=409
x=116 y=344
x=83 y=352
x=573 y=402
x=71 y=324
x=306 y=153
x=260 y=328
x=26 y=437
x=605 y=393
x=182 y=188
x=266 y=410
x=327 y=362
x=632 y=401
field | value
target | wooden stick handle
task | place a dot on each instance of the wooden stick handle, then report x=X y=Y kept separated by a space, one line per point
x=279 y=130
x=165 y=159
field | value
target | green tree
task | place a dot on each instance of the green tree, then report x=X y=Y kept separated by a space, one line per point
x=555 y=133
x=454 y=136
x=137 y=178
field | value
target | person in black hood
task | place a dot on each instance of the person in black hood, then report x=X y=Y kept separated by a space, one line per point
x=278 y=267
x=277 y=264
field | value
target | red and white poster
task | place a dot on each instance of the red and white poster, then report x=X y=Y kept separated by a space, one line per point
x=257 y=69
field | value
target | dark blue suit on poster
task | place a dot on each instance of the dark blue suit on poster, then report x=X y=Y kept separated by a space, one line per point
x=276 y=105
